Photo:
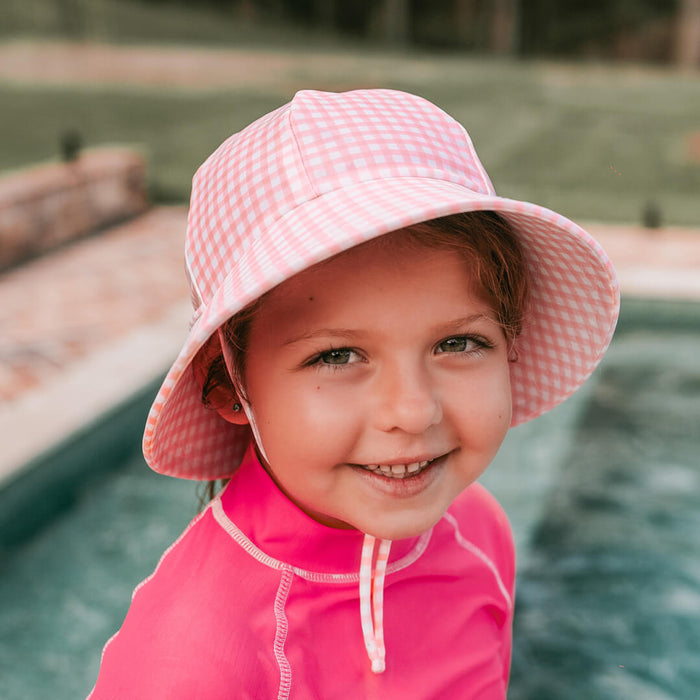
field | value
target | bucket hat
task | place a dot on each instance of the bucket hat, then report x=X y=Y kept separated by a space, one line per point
x=326 y=172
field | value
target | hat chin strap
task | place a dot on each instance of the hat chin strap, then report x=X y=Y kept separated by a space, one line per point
x=248 y=410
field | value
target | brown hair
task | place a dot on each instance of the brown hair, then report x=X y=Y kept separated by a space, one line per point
x=488 y=244
x=491 y=248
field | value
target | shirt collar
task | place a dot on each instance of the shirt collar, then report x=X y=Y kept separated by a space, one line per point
x=280 y=529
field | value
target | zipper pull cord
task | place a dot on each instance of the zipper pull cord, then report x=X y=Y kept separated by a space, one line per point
x=372 y=600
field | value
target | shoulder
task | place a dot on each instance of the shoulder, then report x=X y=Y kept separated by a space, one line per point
x=194 y=604
x=479 y=525
x=479 y=510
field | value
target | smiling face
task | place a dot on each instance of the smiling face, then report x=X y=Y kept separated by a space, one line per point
x=379 y=382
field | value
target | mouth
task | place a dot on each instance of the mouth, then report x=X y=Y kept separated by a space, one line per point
x=400 y=471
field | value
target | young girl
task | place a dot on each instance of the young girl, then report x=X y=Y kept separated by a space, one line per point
x=370 y=320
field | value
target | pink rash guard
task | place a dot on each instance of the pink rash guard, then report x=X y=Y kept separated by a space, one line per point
x=257 y=600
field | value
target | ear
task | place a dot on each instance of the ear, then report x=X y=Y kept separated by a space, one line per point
x=228 y=405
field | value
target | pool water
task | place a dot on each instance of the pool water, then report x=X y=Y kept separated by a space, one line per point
x=608 y=600
x=603 y=493
x=66 y=591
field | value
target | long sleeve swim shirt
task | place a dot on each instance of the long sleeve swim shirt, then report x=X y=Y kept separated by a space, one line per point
x=258 y=600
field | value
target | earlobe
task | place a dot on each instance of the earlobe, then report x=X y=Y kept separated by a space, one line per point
x=512 y=352
x=232 y=412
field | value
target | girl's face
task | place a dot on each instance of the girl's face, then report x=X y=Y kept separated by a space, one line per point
x=385 y=355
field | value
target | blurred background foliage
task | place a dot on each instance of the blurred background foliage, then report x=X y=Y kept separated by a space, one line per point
x=627 y=29
x=580 y=106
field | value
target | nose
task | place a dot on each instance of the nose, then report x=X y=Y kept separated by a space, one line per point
x=407 y=399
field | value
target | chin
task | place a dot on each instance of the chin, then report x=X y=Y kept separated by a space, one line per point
x=402 y=528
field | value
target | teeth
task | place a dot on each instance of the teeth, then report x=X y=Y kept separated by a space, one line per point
x=399 y=471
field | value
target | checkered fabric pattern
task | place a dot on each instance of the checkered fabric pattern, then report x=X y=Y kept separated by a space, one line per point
x=326 y=172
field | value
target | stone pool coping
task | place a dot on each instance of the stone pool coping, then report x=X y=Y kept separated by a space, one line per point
x=42 y=419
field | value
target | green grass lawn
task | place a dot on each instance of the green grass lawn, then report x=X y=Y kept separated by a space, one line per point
x=594 y=144
x=175 y=131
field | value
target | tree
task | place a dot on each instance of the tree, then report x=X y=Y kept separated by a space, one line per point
x=688 y=34
x=504 y=29
x=397 y=21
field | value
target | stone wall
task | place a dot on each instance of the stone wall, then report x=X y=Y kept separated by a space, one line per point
x=47 y=205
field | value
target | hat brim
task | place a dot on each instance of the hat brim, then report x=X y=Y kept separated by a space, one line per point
x=574 y=302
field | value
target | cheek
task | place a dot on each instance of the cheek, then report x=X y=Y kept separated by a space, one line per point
x=334 y=412
x=303 y=415
x=487 y=408
x=502 y=407
x=503 y=402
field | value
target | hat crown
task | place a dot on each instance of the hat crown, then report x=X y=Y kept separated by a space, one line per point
x=375 y=134
x=317 y=143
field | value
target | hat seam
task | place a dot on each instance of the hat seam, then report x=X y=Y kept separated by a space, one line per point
x=481 y=170
x=295 y=138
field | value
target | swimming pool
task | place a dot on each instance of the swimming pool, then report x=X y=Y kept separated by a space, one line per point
x=603 y=493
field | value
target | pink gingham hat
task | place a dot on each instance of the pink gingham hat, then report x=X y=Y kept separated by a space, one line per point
x=326 y=172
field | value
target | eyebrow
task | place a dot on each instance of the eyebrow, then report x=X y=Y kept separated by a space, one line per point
x=466 y=320
x=351 y=336
x=343 y=333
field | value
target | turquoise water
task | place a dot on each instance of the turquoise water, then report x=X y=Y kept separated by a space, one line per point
x=66 y=591
x=609 y=586
x=603 y=493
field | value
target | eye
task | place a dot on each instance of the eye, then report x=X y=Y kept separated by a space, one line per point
x=458 y=344
x=463 y=343
x=336 y=357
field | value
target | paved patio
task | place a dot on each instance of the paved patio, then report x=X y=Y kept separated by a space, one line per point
x=83 y=328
